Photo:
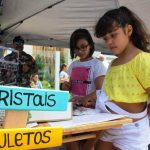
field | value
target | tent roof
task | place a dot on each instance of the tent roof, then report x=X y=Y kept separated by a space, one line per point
x=53 y=26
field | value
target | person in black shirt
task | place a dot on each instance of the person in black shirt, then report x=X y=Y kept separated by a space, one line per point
x=26 y=65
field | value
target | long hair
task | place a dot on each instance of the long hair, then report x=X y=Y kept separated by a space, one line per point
x=76 y=36
x=121 y=17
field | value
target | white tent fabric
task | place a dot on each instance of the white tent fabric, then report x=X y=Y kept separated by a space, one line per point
x=53 y=26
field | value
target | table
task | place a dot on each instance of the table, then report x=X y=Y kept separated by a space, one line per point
x=87 y=130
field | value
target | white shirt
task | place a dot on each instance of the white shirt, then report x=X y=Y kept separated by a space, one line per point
x=63 y=75
x=83 y=75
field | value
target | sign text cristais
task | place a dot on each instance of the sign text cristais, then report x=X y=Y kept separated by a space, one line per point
x=18 y=98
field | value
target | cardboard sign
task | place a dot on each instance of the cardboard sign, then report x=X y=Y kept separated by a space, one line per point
x=45 y=116
x=19 y=98
x=30 y=138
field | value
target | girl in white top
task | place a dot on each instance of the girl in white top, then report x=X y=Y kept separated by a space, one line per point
x=87 y=73
x=63 y=73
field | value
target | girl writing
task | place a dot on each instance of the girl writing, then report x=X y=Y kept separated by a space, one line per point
x=86 y=73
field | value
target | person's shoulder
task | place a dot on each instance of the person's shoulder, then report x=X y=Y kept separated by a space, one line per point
x=28 y=56
x=145 y=57
x=8 y=56
x=140 y=64
x=141 y=60
x=142 y=56
x=74 y=63
x=96 y=61
x=39 y=82
x=62 y=72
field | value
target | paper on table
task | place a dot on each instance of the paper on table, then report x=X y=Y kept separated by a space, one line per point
x=86 y=119
x=78 y=111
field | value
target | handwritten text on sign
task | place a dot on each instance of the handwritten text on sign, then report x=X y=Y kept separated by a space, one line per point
x=30 y=138
x=18 y=98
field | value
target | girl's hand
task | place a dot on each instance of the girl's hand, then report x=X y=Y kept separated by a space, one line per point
x=88 y=102
x=83 y=101
x=75 y=100
x=66 y=86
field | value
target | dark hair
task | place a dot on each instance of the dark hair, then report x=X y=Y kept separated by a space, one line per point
x=18 y=39
x=121 y=17
x=62 y=66
x=76 y=36
x=34 y=74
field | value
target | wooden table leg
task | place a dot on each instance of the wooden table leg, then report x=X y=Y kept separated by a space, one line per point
x=73 y=146
x=90 y=143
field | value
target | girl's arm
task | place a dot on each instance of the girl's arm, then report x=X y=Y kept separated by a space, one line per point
x=90 y=100
x=99 y=82
x=66 y=85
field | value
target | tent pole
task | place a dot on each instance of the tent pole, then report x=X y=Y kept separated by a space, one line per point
x=57 y=68
x=117 y=3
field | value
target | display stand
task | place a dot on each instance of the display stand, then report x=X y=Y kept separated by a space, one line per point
x=15 y=119
x=17 y=102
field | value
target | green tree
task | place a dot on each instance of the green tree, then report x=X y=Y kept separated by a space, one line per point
x=40 y=65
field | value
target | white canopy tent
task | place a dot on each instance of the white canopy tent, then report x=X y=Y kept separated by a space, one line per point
x=41 y=24
x=51 y=22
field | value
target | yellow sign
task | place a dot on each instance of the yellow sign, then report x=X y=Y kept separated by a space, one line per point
x=30 y=138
